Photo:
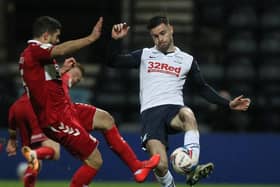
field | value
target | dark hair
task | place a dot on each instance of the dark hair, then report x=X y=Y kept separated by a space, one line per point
x=157 y=20
x=45 y=24
x=81 y=68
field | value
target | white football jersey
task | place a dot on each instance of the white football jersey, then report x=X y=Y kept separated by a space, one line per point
x=162 y=77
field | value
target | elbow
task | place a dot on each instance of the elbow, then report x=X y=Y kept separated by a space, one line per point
x=57 y=51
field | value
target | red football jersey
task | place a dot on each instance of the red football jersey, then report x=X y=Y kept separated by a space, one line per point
x=66 y=85
x=42 y=81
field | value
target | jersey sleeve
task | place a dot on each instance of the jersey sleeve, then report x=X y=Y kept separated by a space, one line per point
x=11 y=120
x=42 y=52
x=198 y=83
x=118 y=60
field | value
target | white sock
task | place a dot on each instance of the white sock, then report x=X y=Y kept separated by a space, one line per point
x=167 y=180
x=191 y=142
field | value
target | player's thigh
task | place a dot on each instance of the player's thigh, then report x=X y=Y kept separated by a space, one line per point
x=184 y=120
x=103 y=120
x=54 y=145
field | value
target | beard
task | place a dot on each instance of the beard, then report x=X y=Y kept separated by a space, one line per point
x=163 y=47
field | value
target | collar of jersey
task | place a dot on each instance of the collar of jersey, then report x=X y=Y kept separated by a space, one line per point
x=157 y=51
x=47 y=45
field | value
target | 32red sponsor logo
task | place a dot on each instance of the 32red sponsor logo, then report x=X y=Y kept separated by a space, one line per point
x=163 y=68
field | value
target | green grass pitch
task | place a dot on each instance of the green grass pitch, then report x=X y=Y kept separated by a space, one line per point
x=4 y=183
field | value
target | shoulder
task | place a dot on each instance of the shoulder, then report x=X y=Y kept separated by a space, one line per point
x=150 y=52
x=35 y=45
x=184 y=55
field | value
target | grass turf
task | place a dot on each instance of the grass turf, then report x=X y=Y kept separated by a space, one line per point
x=5 y=183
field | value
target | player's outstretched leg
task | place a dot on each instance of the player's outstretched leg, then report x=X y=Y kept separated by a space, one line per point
x=31 y=158
x=141 y=174
x=31 y=172
x=201 y=171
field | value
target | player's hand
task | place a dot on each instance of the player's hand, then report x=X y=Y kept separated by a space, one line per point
x=96 y=31
x=240 y=103
x=119 y=30
x=68 y=64
x=11 y=148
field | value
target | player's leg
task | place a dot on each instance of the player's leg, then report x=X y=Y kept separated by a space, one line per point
x=95 y=118
x=52 y=150
x=43 y=148
x=104 y=121
x=161 y=172
x=88 y=170
x=185 y=121
x=79 y=143
x=48 y=149
x=23 y=120
x=154 y=138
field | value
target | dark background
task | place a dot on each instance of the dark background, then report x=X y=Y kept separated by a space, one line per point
x=237 y=45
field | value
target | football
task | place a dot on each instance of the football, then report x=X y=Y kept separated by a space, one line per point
x=181 y=160
x=21 y=167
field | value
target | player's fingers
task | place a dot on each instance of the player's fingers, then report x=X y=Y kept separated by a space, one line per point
x=116 y=28
x=99 y=22
x=119 y=27
x=239 y=97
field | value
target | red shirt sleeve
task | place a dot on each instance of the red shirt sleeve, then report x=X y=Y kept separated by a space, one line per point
x=12 y=121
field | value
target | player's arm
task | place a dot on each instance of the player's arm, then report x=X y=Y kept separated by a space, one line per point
x=206 y=91
x=116 y=59
x=11 y=147
x=74 y=45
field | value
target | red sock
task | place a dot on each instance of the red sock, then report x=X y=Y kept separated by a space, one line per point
x=121 y=148
x=83 y=176
x=29 y=178
x=45 y=153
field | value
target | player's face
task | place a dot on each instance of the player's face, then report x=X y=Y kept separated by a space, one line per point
x=75 y=75
x=163 y=37
x=54 y=37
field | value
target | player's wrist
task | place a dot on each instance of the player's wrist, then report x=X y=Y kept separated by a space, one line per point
x=12 y=134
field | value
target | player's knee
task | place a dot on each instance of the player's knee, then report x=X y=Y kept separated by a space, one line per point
x=107 y=120
x=187 y=117
x=95 y=159
x=56 y=155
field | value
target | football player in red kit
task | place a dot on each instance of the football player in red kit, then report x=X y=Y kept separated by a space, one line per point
x=91 y=117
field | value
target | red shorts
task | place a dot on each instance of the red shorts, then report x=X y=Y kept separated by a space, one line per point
x=70 y=134
x=85 y=114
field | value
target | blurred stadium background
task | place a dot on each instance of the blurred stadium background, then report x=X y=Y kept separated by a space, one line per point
x=236 y=42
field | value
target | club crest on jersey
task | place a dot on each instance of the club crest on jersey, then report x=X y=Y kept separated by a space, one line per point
x=163 y=68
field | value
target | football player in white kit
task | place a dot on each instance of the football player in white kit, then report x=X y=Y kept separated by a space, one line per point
x=164 y=69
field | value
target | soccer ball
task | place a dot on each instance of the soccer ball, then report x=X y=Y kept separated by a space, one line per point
x=21 y=167
x=181 y=160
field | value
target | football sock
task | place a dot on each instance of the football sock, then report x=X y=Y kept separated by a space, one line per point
x=167 y=180
x=83 y=176
x=191 y=142
x=122 y=149
x=44 y=153
x=29 y=178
